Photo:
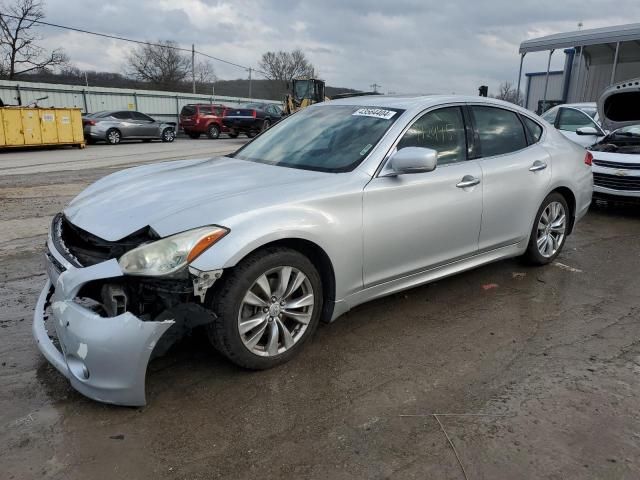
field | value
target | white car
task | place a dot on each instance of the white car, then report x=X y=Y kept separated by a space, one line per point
x=616 y=157
x=579 y=122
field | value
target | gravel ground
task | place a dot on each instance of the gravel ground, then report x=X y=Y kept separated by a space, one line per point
x=529 y=372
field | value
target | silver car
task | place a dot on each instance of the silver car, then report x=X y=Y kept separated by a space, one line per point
x=341 y=203
x=114 y=126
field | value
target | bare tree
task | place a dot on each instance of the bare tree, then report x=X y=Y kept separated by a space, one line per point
x=18 y=41
x=508 y=93
x=205 y=74
x=285 y=66
x=161 y=65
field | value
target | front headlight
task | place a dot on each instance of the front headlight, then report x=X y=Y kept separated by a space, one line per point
x=168 y=255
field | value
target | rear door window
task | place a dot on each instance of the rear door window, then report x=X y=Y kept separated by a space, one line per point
x=205 y=110
x=122 y=115
x=441 y=130
x=534 y=130
x=188 y=111
x=500 y=131
x=570 y=120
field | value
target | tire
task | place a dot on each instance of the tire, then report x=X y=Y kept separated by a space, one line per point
x=168 y=135
x=213 y=132
x=265 y=125
x=193 y=135
x=251 y=133
x=228 y=302
x=233 y=134
x=113 y=136
x=551 y=223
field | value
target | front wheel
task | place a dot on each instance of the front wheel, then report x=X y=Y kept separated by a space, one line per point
x=266 y=308
x=168 y=135
x=549 y=231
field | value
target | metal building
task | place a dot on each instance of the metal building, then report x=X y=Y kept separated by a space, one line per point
x=158 y=104
x=594 y=59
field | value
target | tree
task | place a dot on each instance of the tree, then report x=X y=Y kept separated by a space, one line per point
x=205 y=74
x=508 y=93
x=285 y=66
x=18 y=41
x=161 y=65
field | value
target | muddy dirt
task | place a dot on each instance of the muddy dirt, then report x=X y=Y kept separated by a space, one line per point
x=532 y=372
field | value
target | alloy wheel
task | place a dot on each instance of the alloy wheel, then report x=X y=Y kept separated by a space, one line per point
x=275 y=312
x=551 y=229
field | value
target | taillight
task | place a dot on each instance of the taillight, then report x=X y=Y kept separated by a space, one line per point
x=588 y=158
x=254 y=114
x=89 y=122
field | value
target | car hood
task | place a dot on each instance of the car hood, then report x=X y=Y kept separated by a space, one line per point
x=194 y=192
x=618 y=105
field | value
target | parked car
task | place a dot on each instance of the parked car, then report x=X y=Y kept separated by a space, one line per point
x=341 y=203
x=251 y=118
x=616 y=157
x=199 y=118
x=579 y=122
x=114 y=126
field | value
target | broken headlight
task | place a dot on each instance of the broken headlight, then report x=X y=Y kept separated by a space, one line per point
x=170 y=254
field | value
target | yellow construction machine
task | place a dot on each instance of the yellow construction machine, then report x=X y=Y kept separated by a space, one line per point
x=304 y=92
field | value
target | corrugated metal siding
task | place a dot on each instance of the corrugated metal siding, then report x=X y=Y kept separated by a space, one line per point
x=159 y=104
x=595 y=78
x=536 y=89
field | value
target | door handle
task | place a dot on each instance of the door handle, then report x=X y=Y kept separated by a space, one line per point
x=537 y=166
x=468 y=181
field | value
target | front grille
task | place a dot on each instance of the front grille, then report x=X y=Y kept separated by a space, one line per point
x=617 y=182
x=84 y=249
x=625 y=166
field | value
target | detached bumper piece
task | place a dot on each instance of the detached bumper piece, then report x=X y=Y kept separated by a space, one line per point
x=104 y=358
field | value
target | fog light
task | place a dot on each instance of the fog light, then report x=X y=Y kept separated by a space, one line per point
x=77 y=368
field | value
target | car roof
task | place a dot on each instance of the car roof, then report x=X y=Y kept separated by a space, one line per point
x=579 y=105
x=419 y=102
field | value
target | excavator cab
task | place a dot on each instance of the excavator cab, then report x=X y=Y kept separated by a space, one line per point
x=304 y=92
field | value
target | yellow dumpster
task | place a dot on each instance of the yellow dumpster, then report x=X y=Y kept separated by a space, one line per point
x=24 y=126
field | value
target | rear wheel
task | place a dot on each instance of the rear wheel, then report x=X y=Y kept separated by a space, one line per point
x=213 y=131
x=548 y=234
x=266 y=307
x=265 y=125
x=113 y=136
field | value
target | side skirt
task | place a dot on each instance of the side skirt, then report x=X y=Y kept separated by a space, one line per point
x=426 y=276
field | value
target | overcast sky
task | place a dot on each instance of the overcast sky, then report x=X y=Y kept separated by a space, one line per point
x=406 y=46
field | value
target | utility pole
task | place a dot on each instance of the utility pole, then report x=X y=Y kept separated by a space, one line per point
x=193 y=67
x=250 y=97
x=375 y=87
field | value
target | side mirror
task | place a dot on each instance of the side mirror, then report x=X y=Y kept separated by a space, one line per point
x=589 y=131
x=413 y=160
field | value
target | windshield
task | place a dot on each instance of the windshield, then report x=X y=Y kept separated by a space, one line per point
x=629 y=131
x=331 y=138
x=591 y=111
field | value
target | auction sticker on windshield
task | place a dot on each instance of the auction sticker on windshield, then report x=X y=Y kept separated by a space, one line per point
x=374 y=112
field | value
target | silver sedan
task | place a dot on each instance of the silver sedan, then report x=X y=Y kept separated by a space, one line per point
x=341 y=203
x=114 y=126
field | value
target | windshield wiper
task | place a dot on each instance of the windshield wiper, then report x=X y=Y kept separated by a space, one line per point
x=627 y=134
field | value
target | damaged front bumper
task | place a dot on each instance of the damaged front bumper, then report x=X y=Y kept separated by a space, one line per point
x=104 y=358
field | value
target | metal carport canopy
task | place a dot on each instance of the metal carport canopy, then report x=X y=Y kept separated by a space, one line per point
x=582 y=38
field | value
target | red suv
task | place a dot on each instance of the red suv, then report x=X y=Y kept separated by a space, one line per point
x=199 y=118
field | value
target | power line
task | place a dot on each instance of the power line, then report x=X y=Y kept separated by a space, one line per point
x=123 y=39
